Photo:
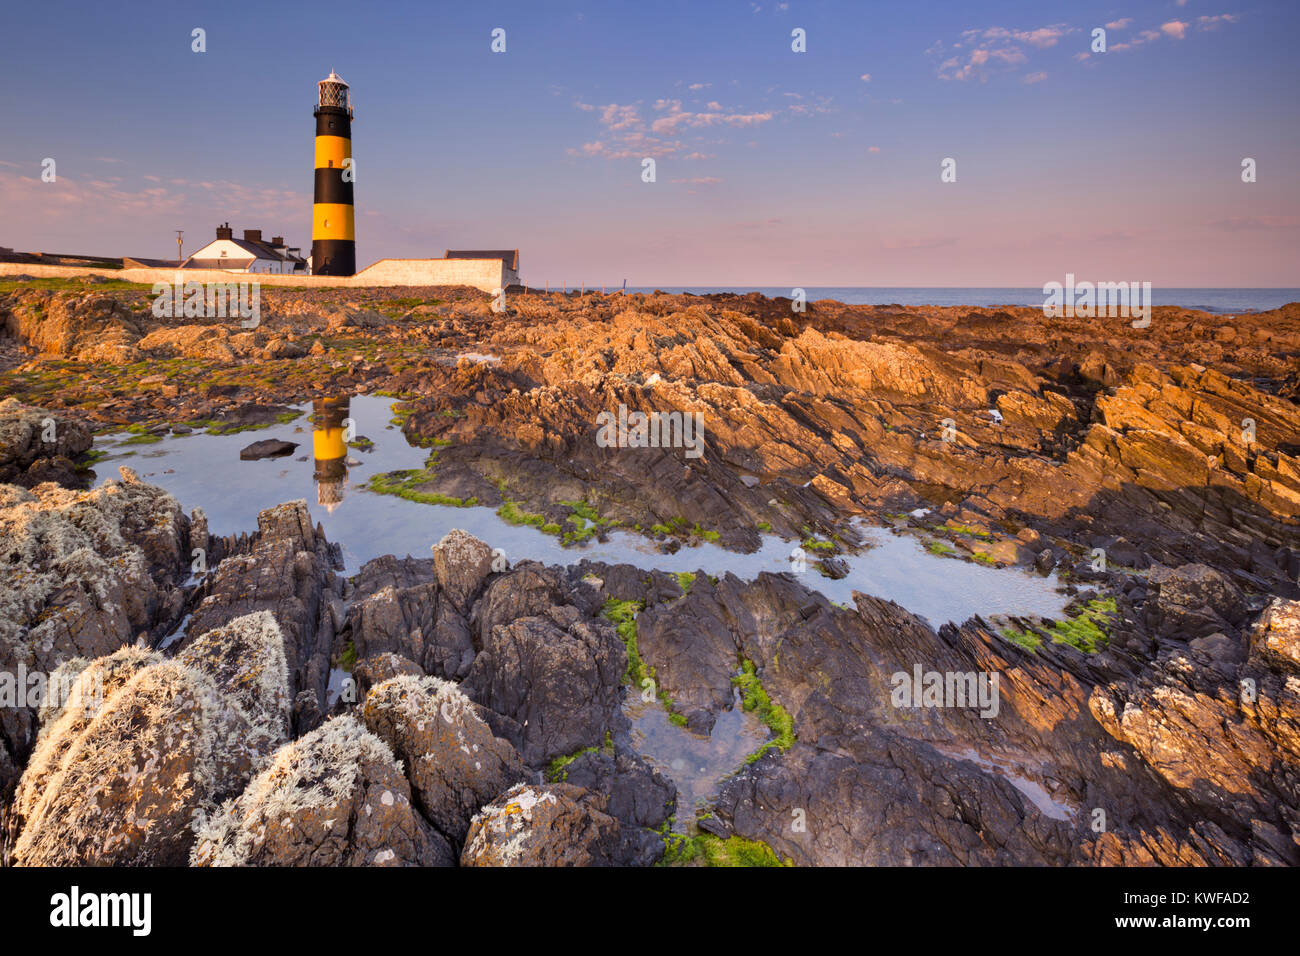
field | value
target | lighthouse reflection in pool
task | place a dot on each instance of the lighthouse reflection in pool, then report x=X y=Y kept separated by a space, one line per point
x=330 y=433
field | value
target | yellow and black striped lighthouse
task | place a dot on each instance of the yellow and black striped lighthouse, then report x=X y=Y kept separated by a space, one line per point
x=333 y=241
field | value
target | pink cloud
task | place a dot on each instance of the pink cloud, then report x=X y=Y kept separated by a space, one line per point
x=1213 y=23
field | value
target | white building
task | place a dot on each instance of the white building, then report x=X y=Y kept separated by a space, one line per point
x=250 y=254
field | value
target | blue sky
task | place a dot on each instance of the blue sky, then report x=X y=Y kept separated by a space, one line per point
x=773 y=167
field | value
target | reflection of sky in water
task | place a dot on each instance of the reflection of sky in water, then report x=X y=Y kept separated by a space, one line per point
x=695 y=764
x=206 y=471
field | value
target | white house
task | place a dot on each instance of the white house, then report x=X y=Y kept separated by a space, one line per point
x=250 y=254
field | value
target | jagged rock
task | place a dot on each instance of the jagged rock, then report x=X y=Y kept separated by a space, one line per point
x=462 y=563
x=307 y=713
x=636 y=793
x=81 y=574
x=693 y=652
x=286 y=568
x=528 y=590
x=381 y=667
x=397 y=609
x=37 y=446
x=246 y=659
x=452 y=761
x=122 y=781
x=87 y=327
x=1276 y=633
x=557 y=677
x=834 y=568
x=554 y=825
x=335 y=797
x=1192 y=601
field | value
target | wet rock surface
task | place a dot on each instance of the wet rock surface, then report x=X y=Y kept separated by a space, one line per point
x=267 y=448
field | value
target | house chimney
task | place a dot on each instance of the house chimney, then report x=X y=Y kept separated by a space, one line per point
x=252 y=235
x=225 y=232
x=277 y=241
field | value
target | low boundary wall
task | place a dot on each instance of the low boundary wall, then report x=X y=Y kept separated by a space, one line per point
x=487 y=275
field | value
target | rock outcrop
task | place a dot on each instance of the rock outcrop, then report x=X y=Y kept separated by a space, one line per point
x=81 y=575
x=336 y=797
x=554 y=825
x=450 y=757
x=36 y=446
x=125 y=770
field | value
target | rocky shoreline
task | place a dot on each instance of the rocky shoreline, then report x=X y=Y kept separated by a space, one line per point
x=457 y=709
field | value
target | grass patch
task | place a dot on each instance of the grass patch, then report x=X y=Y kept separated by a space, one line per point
x=966 y=529
x=348 y=659
x=623 y=616
x=557 y=771
x=755 y=699
x=765 y=526
x=405 y=484
x=511 y=512
x=939 y=547
x=684 y=580
x=1026 y=639
x=92 y=456
x=709 y=850
x=812 y=544
x=73 y=284
x=1089 y=630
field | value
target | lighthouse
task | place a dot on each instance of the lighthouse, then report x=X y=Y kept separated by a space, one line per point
x=333 y=241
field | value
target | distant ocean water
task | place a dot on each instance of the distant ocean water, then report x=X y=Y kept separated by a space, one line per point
x=1226 y=301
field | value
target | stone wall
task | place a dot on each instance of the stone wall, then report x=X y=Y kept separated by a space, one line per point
x=485 y=274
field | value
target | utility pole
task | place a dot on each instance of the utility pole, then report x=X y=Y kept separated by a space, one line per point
x=179 y=258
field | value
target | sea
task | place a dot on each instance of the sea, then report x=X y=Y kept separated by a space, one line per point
x=1223 y=301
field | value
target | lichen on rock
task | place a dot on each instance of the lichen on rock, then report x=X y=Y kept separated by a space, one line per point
x=336 y=797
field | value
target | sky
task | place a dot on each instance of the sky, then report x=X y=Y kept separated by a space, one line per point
x=772 y=167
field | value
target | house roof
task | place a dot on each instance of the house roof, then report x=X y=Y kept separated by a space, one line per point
x=224 y=262
x=264 y=250
x=129 y=262
x=510 y=256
